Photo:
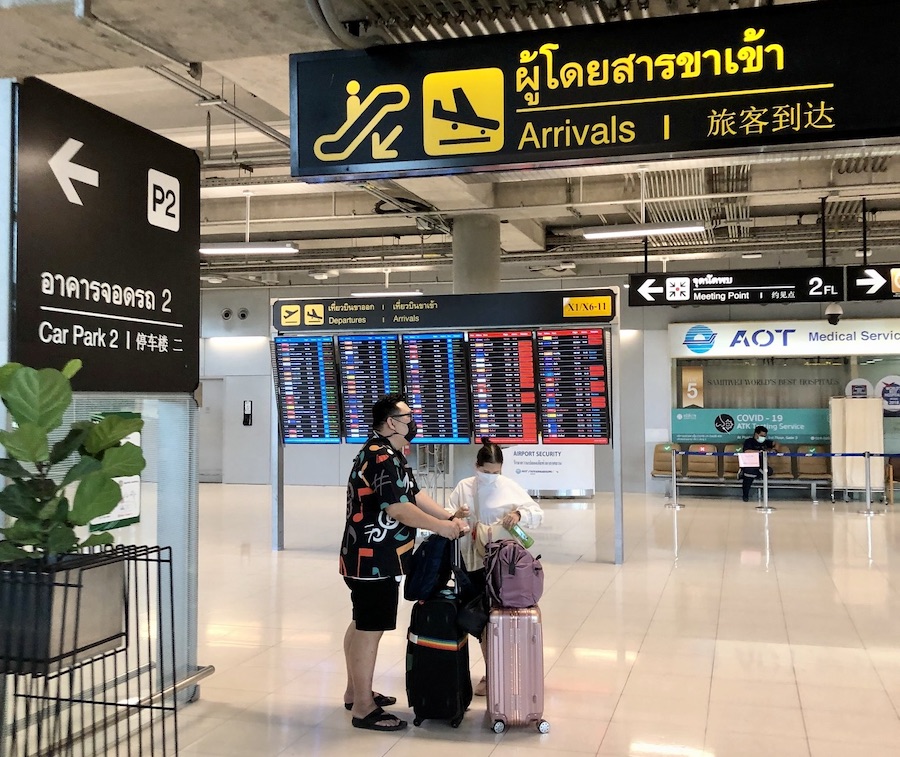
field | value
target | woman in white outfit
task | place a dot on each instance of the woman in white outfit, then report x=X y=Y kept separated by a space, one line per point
x=495 y=501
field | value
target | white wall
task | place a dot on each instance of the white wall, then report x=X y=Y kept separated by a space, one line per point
x=238 y=352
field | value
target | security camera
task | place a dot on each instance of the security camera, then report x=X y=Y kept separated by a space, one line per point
x=833 y=313
x=243 y=314
x=227 y=313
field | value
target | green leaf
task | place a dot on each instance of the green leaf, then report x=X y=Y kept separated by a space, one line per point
x=13 y=469
x=97 y=495
x=60 y=540
x=95 y=540
x=6 y=373
x=24 y=532
x=38 y=397
x=49 y=510
x=127 y=460
x=110 y=431
x=65 y=447
x=81 y=469
x=71 y=368
x=16 y=502
x=10 y=552
x=28 y=442
x=40 y=489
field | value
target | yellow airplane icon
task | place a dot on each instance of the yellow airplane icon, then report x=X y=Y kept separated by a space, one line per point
x=290 y=315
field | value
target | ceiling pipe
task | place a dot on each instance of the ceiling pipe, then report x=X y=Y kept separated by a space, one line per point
x=84 y=12
x=212 y=98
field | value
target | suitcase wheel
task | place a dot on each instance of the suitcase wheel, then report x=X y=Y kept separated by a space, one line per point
x=417 y=722
x=499 y=726
x=543 y=727
x=456 y=721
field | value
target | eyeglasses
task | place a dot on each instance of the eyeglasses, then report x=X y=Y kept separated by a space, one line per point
x=400 y=415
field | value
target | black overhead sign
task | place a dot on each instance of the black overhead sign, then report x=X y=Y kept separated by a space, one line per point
x=446 y=311
x=873 y=282
x=774 y=76
x=107 y=247
x=747 y=287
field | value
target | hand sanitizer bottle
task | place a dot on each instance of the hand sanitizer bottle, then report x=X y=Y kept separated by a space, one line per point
x=524 y=539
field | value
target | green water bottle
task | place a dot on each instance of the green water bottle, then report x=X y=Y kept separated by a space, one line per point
x=524 y=539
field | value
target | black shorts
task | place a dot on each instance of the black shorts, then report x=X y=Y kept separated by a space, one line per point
x=374 y=603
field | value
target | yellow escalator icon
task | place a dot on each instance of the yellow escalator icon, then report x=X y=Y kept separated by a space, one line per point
x=363 y=116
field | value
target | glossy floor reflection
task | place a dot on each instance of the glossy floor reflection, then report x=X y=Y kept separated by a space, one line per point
x=767 y=636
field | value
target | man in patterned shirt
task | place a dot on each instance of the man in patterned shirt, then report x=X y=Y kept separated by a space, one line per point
x=384 y=509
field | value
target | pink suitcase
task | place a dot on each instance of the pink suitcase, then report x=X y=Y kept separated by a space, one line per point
x=515 y=668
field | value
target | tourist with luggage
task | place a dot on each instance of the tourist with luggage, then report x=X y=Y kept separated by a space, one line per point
x=384 y=509
x=492 y=504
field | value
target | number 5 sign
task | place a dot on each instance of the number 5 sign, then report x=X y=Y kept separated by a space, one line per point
x=692 y=386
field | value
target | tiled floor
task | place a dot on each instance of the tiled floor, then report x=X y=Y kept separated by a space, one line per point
x=772 y=636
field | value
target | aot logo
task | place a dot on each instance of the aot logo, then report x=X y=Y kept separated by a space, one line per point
x=699 y=339
x=762 y=338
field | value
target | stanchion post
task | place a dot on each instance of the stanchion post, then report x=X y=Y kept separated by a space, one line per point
x=764 y=459
x=674 y=501
x=868 y=511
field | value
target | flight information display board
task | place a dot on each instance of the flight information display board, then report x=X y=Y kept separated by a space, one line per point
x=370 y=368
x=437 y=387
x=503 y=388
x=573 y=387
x=306 y=377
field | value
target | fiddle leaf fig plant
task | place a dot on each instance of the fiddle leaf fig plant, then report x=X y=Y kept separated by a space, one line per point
x=37 y=495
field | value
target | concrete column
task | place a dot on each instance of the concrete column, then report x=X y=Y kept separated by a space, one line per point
x=476 y=254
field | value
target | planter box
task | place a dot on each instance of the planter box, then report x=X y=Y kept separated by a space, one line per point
x=54 y=617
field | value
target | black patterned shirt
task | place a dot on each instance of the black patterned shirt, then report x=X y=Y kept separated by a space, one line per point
x=375 y=545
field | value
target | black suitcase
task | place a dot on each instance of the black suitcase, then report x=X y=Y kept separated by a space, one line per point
x=438 y=682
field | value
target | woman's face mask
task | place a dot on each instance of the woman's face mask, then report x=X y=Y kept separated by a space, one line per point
x=487 y=479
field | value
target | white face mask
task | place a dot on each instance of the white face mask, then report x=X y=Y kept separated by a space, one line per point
x=487 y=479
x=760 y=438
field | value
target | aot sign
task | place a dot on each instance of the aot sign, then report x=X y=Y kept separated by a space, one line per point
x=784 y=338
x=762 y=337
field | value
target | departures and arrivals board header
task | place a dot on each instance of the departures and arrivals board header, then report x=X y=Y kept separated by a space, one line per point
x=447 y=311
x=804 y=73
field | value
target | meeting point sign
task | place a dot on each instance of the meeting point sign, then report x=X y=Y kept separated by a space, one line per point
x=711 y=82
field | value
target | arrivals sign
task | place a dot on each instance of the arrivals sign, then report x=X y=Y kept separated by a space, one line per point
x=712 y=82
x=774 y=338
x=744 y=287
x=107 y=247
x=496 y=310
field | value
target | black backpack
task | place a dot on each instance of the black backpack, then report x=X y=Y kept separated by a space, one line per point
x=429 y=569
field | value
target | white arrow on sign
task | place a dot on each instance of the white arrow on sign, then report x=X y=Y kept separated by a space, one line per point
x=647 y=290
x=873 y=280
x=66 y=171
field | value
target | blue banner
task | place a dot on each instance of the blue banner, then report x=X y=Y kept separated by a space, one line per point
x=725 y=425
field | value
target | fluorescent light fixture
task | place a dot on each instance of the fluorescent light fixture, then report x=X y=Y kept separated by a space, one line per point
x=643 y=230
x=249 y=248
x=751 y=255
x=861 y=254
x=388 y=293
